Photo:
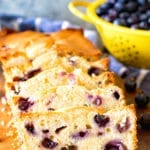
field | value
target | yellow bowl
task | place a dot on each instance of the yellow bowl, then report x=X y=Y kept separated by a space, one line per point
x=130 y=46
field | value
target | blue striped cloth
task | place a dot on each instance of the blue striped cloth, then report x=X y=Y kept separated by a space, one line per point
x=20 y=23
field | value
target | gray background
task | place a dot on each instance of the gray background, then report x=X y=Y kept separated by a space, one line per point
x=53 y=9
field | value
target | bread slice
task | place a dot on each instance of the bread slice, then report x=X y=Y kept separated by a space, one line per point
x=20 y=65
x=66 y=96
x=80 y=128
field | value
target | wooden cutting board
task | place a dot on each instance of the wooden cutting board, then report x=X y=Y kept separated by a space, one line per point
x=10 y=142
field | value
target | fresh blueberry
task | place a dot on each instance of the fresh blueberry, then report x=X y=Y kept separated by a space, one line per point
x=115 y=145
x=112 y=13
x=123 y=1
x=148 y=13
x=132 y=20
x=124 y=15
x=144 y=121
x=119 y=21
x=142 y=2
x=107 y=18
x=101 y=120
x=131 y=6
x=119 y=6
x=135 y=26
x=143 y=17
x=142 y=9
x=100 y=11
x=111 y=1
x=106 y=6
x=130 y=85
x=142 y=100
x=143 y=25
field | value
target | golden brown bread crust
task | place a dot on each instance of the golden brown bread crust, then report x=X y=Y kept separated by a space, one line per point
x=68 y=41
x=72 y=41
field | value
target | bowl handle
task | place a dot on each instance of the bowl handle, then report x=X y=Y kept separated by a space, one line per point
x=73 y=8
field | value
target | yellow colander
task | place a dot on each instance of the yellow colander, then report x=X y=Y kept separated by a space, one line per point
x=132 y=47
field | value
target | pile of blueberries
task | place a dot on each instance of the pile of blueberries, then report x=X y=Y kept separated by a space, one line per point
x=142 y=101
x=130 y=13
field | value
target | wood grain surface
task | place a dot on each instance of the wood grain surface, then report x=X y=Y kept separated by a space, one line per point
x=9 y=142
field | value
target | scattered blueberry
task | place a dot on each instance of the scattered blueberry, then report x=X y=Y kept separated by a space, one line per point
x=30 y=128
x=123 y=127
x=144 y=121
x=130 y=85
x=115 y=145
x=142 y=100
x=48 y=143
x=101 y=120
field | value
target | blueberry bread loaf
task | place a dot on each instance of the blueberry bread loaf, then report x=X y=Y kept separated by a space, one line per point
x=80 y=128
x=56 y=86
